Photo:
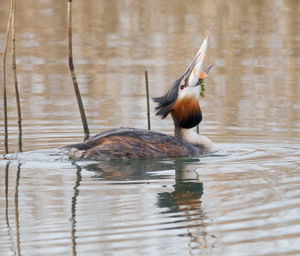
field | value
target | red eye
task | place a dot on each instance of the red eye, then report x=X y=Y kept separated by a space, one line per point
x=181 y=87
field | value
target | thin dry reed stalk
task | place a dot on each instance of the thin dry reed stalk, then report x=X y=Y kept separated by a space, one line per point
x=14 y=66
x=71 y=66
x=147 y=97
x=4 y=81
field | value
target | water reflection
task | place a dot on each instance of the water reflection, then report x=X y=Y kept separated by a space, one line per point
x=73 y=211
x=126 y=170
x=178 y=201
x=17 y=208
x=186 y=199
x=183 y=201
x=186 y=196
x=16 y=249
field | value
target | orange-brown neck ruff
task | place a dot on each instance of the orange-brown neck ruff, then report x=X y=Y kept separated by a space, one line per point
x=187 y=112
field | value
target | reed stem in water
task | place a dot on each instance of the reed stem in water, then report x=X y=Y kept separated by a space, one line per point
x=71 y=66
x=4 y=81
x=14 y=66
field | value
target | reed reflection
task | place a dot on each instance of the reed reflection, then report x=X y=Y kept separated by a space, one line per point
x=73 y=210
x=15 y=248
x=6 y=195
x=17 y=209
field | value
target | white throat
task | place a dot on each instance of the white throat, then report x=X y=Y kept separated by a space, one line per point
x=190 y=136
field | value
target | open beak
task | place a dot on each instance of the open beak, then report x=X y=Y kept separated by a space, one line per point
x=195 y=73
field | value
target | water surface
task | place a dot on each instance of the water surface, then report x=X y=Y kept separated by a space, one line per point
x=242 y=200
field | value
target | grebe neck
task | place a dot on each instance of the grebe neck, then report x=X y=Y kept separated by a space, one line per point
x=190 y=136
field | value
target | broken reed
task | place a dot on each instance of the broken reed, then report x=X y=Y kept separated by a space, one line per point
x=15 y=74
x=71 y=67
x=147 y=97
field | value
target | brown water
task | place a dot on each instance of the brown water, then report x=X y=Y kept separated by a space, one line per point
x=243 y=200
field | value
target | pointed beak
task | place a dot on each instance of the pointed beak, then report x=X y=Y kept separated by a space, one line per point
x=195 y=73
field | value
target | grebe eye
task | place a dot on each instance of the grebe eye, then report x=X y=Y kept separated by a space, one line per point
x=181 y=87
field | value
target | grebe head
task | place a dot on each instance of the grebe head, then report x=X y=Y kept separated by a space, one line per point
x=182 y=99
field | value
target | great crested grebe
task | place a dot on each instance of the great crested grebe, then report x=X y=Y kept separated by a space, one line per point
x=181 y=101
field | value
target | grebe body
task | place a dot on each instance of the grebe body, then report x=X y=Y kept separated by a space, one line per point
x=131 y=143
x=181 y=101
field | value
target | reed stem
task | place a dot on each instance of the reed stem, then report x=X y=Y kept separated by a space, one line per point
x=4 y=81
x=14 y=66
x=147 y=97
x=71 y=66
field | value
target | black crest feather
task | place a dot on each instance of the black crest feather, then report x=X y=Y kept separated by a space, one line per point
x=165 y=102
